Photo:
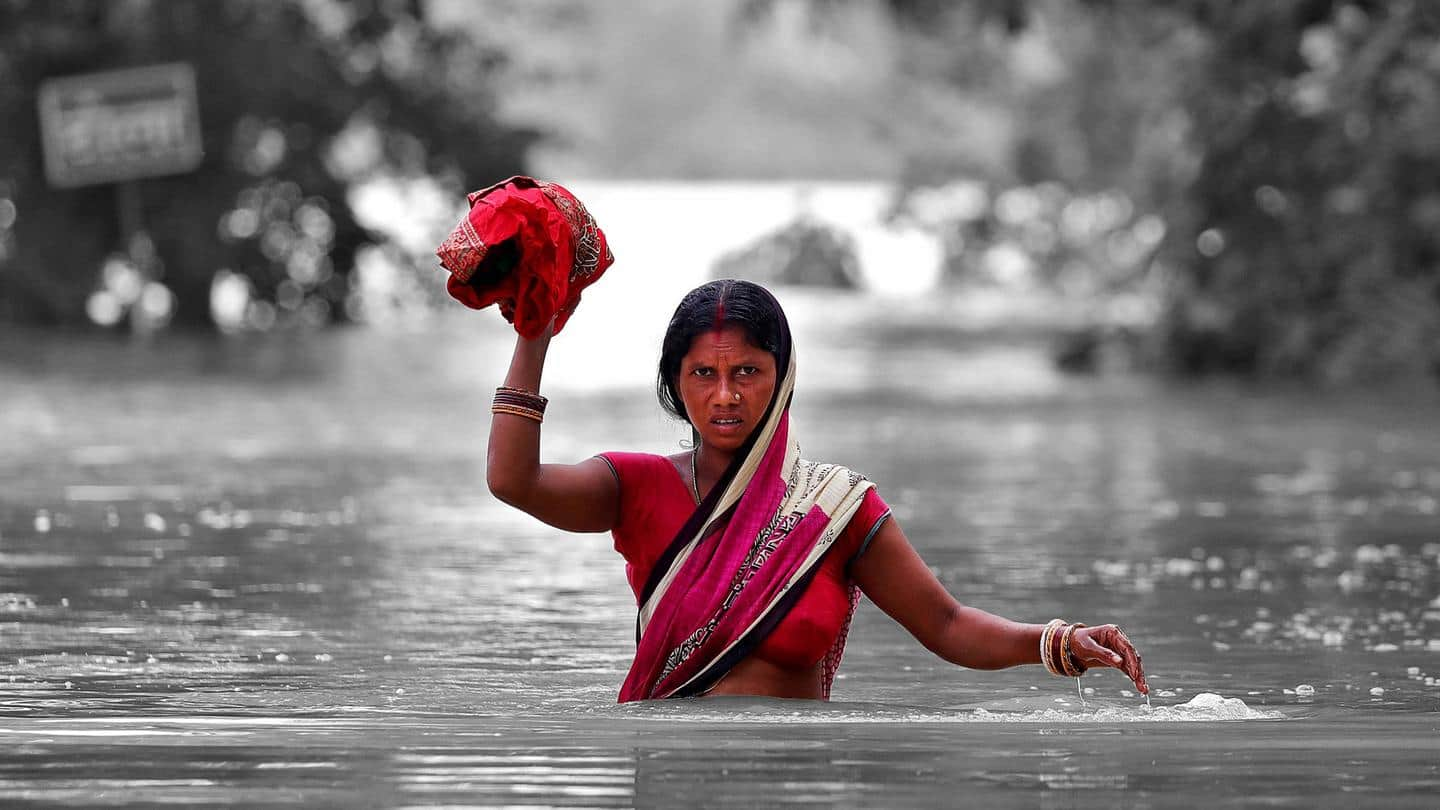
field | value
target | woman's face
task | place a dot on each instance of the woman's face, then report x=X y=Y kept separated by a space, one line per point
x=725 y=383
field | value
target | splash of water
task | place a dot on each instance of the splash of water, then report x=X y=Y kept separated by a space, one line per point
x=1203 y=707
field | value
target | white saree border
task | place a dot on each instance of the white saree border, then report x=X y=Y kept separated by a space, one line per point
x=732 y=493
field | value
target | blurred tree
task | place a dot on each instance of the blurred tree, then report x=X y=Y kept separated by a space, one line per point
x=1289 y=145
x=299 y=100
x=1309 y=242
x=803 y=252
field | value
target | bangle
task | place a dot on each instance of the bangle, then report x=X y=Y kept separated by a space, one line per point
x=1072 y=665
x=534 y=416
x=510 y=389
x=1047 y=653
x=519 y=402
x=519 y=396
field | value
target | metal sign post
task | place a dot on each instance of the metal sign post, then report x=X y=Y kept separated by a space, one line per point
x=118 y=127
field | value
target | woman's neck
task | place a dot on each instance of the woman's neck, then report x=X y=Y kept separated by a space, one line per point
x=710 y=464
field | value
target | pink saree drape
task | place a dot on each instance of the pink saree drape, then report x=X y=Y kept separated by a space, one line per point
x=741 y=562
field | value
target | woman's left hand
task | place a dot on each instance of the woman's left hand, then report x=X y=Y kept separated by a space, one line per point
x=1107 y=646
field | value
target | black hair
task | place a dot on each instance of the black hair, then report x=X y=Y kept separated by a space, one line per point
x=728 y=301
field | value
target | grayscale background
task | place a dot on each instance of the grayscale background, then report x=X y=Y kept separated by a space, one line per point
x=1131 y=309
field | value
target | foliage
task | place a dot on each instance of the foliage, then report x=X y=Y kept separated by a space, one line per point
x=1309 y=242
x=299 y=99
x=1289 y=147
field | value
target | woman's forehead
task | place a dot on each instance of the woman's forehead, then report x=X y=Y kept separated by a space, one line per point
x=725 y=339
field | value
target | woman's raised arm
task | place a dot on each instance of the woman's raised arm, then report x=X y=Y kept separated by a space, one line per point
x=902 y=585
x=580 y=497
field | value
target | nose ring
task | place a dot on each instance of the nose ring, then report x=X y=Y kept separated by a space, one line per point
x=737 y=396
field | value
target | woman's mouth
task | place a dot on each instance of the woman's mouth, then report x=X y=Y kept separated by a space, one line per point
x=726 y=424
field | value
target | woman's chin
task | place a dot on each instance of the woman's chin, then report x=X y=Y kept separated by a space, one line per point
x=726 y=441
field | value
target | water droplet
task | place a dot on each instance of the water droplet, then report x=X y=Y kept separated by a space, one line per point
x=1377 y=691
x=1304 y=689
x=282 y=658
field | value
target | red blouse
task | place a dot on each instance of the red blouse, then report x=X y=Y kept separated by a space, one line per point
x=655 y=501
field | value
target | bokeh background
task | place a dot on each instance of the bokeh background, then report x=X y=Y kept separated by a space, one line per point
x=1205 y=186
x=1131 y=309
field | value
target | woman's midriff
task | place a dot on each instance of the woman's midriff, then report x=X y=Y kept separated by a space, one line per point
x=756 y=676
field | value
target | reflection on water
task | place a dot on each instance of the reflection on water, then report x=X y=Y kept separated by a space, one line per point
x=258 y=574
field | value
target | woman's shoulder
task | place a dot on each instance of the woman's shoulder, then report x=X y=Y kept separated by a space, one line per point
x=818 y=470
x=628 y=464
x=846 y=480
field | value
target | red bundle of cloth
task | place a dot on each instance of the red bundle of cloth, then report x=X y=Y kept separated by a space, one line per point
x=528 y=246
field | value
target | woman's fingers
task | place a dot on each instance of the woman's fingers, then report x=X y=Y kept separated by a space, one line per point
x=1107 y=645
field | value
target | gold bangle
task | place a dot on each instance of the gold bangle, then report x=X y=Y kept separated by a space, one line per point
x=515 y=410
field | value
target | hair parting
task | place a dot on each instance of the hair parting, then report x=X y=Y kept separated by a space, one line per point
x=727 y=302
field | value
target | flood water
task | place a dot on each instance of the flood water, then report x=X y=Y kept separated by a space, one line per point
x=267 y=572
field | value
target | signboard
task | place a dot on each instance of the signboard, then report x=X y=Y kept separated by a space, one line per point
x=120 y=125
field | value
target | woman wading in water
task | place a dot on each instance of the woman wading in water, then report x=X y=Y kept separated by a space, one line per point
x=746 y=560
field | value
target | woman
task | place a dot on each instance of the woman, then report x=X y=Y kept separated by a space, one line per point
x=747 y=561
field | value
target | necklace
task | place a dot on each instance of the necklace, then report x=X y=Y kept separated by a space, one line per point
x=695 y=476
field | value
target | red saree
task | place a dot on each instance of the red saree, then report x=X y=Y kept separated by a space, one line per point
x=742 y=561
x=528 y=246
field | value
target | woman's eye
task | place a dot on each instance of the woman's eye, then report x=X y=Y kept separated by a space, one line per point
x=747 y=370
x=703 y=372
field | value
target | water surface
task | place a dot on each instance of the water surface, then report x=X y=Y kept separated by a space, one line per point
x=269 y=573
